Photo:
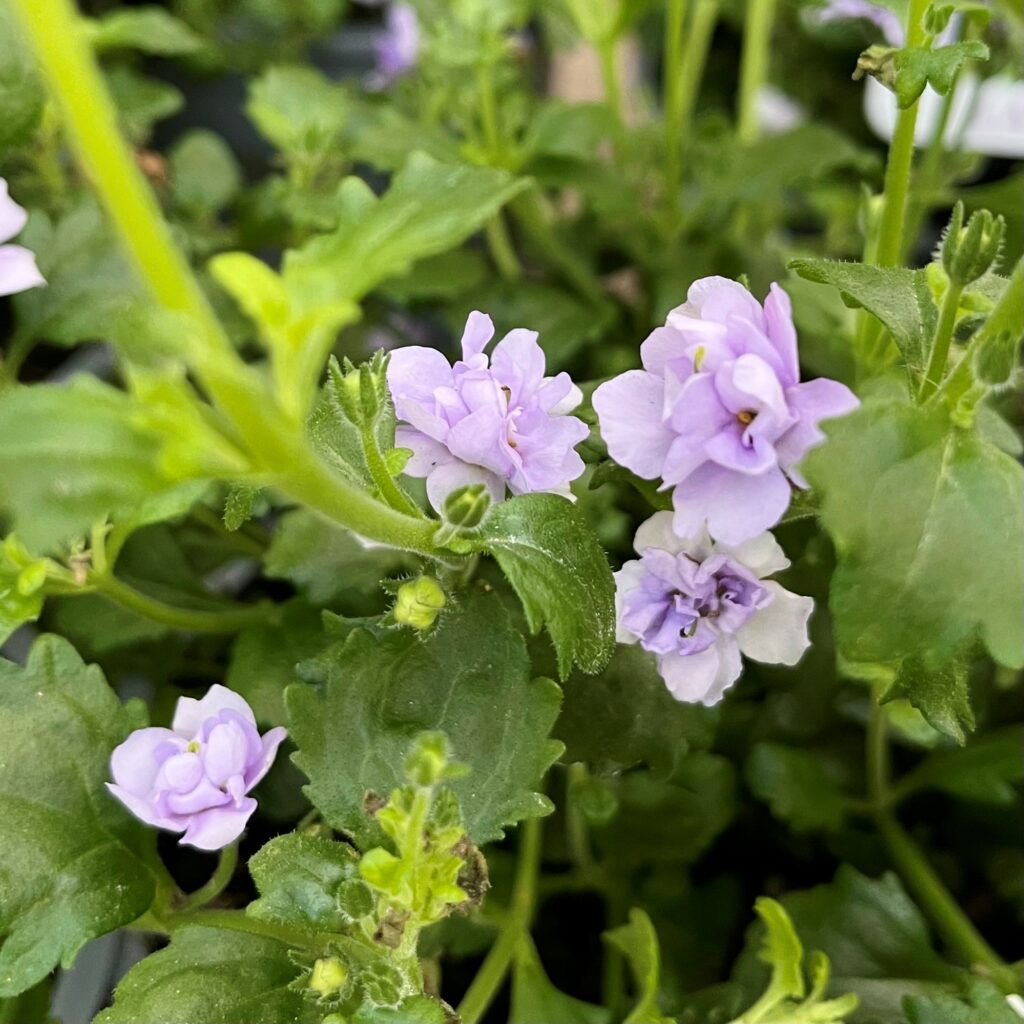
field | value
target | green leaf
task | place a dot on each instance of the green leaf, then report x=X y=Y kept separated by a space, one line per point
x=638 y=943
x=986 y=770
x=470 y=678
x=145 y=29
x=141 y=101
x=264 y=658
x=798 y=787
x=535 y=999
x=625 y=716
x=310 y=882
x=21 y=92
x=215 y=976
x=327 y=564
x=73 y=863
x=297 y=109
x=381 y=238
x=554 y=562
x=899 y=298
x=88 y=283
x=982 y=1003
x=918 y=66
x=204 y=173
x=72 y=455
x=872 y=933
x=781 y=950
x=922 y=516
x=21 y=588
x=939 y=690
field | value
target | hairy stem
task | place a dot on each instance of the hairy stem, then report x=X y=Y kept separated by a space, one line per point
x=757 y=39
x=941 y=342
x=222 y=875
x=952 y=924
x=192 y=620
x=492 y=972
x=381 y=475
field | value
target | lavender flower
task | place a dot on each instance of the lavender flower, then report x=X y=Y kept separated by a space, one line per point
x=698 y=605
x=18 y=271
x=398 y=46
x=862 y=10
x=718 y=412
x=194 y=777
x=499 y=421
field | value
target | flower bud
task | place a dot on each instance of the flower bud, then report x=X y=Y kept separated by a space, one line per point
x=419 y=602
x=466 y=506
x=969 y=252
x=360 y=390
x=328 y=977
x=428 y=759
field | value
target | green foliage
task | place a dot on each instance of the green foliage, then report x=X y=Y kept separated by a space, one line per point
x=216 y=976
x=21 y=92
x=797 y=786
x=553 y=560
x=470 y=678
x=535 y=999
x=377 y=239
x=75 y=864
x=149 y=30
x=204 y=173
x=952 y=505
x=638 y=943
x=982 y=1003
x=918 y=66
x=72 y=455
x=21 y=587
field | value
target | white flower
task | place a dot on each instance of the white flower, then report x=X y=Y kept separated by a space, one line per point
x=18 y=271
x=699 y=605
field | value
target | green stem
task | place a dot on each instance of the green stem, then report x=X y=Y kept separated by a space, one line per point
x=54 y=30
x=385 y=482
x=492 y=972
x=754 y=60
x=489 y=110
x=949 y=920
x=222 y=875
x=189 y=619
x=13 y=359
x=577 y=838
x=675 y=20
x=694 y=60
x=942 y=340
x=501 y=248
x=610 y=76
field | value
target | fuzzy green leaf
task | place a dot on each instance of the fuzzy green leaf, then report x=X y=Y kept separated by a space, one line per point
x=638 y=943
x=918 y=66
x=554 y=562
x=470 y=678
x=797 y=786
x=73 y=862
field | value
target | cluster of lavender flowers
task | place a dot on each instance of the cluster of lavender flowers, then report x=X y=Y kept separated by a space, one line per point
x=719 y=414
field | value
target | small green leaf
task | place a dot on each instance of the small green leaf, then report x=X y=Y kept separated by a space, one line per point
x=204 y=173
x=638 y=943
x=470 y=678
x=558 y=568
x=939 y=690
x=918 y=66
x=297 y=109
x=922 y=516
x=798 y=787
x=381 y=238
x=899 y=298
x=145 y=29
x=308 y=881
x=981 y=1003
x=141 y=101
x=215 y=976
x=75 y=864
x=536 y=1000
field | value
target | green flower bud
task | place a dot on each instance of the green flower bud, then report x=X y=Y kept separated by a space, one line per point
x=419 y=602
x=466 y=506
x=361 y=391
x=428 y=759
x=969 y=252
x=328 y=977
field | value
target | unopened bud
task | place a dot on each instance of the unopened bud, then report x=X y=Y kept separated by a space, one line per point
x=328 y=977
x=360 y=390
x=419 y=602
x=466 y=506
x=428 y=759
x=968 y=252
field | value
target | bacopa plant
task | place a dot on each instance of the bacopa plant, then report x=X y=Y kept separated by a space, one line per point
x=510 y=511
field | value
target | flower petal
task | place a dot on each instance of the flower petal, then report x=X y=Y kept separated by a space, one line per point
x=778 y=315
x=414 y=373
x=704 y=677
x=735 y=506
x=627 y=579
x=629 y=408
x=191 y=713
x=518 y=362
x=811 y=402
x=18 y=270
x=452 y=475
x=478 y=331
x=762 y=554
x=12 y=216
x=218 y=827
x=658 y=532
x=134 y=763
x=271 y=741
x=145 y=811
x=427 y=454
x=777 y=633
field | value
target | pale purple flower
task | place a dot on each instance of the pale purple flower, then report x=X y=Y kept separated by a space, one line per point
x=398 y=46
x=718 y=412
x=499 y=421
x=18 y=271
x=697 y=605
x=194 y=777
